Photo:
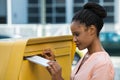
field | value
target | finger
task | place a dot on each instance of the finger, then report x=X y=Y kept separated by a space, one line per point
x=48 y=54
x=54 y=66
x=51 y=70
x=45 y=53
x=48 y=51
x=41 y=55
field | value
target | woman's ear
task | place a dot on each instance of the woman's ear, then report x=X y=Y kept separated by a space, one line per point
x=92 y=30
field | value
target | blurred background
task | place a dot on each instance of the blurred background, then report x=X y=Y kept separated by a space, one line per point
x=41 y=18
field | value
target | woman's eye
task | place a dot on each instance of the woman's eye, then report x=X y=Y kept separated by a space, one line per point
x=76 y=34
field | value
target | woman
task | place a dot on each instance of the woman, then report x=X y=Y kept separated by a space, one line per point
x=96 y=64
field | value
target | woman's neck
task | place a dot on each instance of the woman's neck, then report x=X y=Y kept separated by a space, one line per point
x=95 y=47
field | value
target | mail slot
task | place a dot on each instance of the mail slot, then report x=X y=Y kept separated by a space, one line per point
x=13 y=66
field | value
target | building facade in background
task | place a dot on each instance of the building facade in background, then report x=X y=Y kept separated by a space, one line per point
x=56 y=11
x=19 y=14
x=3 y=12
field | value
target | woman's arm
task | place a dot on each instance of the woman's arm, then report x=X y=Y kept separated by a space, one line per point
x=54 y=69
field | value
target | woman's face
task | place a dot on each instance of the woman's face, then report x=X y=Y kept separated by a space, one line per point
x=81 y=35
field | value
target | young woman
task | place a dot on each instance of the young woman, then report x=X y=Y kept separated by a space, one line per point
x=96 y=64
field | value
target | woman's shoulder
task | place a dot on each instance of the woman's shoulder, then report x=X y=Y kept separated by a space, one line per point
x=101 y=57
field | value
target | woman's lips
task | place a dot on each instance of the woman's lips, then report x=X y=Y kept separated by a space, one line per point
x=77 y=45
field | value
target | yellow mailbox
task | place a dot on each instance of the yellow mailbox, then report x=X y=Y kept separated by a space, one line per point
x=13 y=66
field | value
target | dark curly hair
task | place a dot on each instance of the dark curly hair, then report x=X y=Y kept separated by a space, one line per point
x=91 y=14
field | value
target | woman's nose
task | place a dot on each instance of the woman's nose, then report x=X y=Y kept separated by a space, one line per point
x=74 y=39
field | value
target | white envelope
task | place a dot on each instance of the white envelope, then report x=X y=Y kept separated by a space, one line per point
x=39 y=60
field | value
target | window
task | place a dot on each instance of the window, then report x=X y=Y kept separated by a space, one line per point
x=77 y=9
x=60 y=19
x=109 y=19
x=55 y=11
x=109 y=8
x=49 y=10
x=3 y=11
x=108 y=5
x=60 y=10
x=108 y=0
x=49 y=19
x=33 y=19
x=96 y=1
x=32 y=1
x=33 y=11
x=78 y=1
x=49 y=1
x=2 y=19
x=60 y=1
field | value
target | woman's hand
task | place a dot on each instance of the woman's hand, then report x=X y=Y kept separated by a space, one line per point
x=48 y=54
x=55 y=70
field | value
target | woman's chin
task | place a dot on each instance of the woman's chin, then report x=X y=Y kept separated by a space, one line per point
x=80 y=48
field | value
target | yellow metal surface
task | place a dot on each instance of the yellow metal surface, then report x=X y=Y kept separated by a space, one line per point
x=5 y=49
x=13 y=66
x=11 y=56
